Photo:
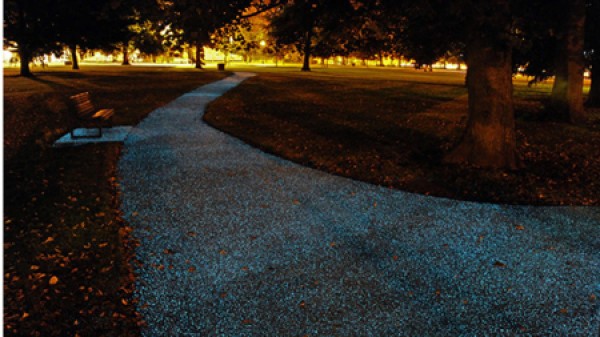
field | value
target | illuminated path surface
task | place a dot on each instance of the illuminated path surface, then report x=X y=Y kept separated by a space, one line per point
x=235 y=242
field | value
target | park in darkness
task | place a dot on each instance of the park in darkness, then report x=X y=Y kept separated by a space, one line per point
x=487 y=33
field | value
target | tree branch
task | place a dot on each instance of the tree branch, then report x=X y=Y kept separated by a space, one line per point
x=264 y=9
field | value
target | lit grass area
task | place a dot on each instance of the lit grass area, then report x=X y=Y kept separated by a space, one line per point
x=67 y=252
x=391 y=127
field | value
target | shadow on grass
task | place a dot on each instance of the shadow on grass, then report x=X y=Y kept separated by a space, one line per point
x=53 y=84
x=394 y=134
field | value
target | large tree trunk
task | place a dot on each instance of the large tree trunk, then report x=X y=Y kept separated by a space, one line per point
x=25 y=58
x=307 y=51
x=567 y=91
x=199 y=55
x=489 y=140
x=25 y=54
x=73 y=49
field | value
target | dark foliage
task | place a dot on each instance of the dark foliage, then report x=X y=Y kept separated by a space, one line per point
x=29 y=24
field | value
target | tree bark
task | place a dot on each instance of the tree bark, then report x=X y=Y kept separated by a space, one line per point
x=199 y=55
x=567 y=91
x=489 y=140
x=73 y=49
x=307 y=51
x=25 y=58
x=25 y=53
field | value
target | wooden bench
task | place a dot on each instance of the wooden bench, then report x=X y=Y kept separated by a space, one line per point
x=89 y=116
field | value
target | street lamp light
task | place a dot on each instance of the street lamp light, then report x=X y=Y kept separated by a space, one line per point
x=262 y=46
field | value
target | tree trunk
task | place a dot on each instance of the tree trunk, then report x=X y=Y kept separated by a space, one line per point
x=381 y=59
x=567 y=91
x=25 y=53
x=125 y=55
x=73 y=49
x=594 y=96
x=307 y=51
x=489 y=140
x=199 y=55
x=25 y=58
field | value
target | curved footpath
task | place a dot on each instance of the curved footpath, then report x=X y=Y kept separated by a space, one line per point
x=236 y=242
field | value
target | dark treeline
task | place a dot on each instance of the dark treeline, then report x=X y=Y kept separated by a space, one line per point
x=543 y=38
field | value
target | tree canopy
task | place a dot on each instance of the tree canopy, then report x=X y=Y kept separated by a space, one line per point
x=43 y=26
x=496 y=38
x=29 y=24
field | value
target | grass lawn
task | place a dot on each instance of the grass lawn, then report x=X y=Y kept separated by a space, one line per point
x=67 y=252
x=391 y=127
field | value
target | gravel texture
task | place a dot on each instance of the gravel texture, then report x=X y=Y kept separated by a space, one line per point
x=236 y=242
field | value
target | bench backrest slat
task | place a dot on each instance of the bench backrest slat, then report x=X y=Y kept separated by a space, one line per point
x=83 y=104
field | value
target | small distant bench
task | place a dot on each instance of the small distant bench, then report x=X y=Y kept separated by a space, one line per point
x=89 y=116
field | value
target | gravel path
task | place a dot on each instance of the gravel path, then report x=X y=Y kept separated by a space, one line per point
x=236 y=242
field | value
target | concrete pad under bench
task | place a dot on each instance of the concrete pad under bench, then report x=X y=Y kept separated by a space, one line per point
x=114 y=134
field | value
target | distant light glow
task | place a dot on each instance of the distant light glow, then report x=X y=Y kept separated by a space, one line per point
x=6 y=55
